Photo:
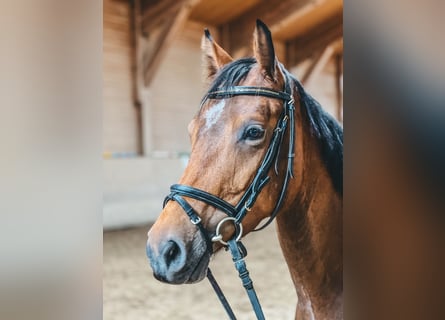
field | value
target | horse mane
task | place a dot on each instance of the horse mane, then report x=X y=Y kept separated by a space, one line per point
x=323 y=126
x=231 y=75
x=328 y=133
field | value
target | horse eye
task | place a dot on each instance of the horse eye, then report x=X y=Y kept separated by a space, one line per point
x=254 y=133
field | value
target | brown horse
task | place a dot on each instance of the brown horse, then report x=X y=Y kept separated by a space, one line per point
x=230 y=137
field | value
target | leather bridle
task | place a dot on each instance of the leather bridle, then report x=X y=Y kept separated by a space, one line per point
x=236 y=213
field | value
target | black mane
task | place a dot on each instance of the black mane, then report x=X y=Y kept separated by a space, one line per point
x=328 y=132
x=231 y=75
x=323 y=126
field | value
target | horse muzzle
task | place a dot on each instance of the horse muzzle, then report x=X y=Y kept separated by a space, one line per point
x=176 y=262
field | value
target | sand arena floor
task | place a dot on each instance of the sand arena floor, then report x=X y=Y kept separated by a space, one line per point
x=131 y=293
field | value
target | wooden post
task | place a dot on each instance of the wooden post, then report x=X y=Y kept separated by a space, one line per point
x=135 y=33
x=338 y=85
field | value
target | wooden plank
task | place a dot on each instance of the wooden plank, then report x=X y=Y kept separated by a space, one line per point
x=338 y=85
x=270 y=12
x=303 y=47
x=135 y=33
x=159 y=14
x=153 y=10
x=119 y=130
x=168 y=31
x=218 y=12
x=280 y=51
x=300 y=22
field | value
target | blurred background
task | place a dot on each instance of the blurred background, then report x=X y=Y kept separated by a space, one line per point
x=152 y=85
x=77 y=150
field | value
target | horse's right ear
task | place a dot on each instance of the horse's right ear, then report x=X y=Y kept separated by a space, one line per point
x=214 y=57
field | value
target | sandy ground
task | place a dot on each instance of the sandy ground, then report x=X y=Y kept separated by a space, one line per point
x=131 y=293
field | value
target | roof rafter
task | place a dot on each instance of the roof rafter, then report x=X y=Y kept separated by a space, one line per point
x=315 y=40
x=239 y=31
x=161 y=22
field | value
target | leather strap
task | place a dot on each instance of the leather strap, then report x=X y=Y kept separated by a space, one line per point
x=248 y=91
x=240 y=265
x=220 y=295
x=194 y=218
x=214 y=201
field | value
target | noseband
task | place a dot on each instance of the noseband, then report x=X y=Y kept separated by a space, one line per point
x=236 y=213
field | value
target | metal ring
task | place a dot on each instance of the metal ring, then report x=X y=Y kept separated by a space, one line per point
x=218 y=236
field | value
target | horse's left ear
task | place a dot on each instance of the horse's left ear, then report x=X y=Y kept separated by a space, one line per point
x=263 y=49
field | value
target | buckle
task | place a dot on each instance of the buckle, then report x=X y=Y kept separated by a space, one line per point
x=196 y=221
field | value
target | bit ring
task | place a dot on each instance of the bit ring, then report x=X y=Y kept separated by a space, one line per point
x=218 y=236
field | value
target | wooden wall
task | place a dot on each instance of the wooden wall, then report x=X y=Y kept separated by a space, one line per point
x=119 y=117
x=176 y=91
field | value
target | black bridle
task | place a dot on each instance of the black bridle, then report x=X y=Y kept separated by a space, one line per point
x=237 y=212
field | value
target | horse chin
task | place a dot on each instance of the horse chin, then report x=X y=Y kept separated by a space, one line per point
x=200 y=271
x=193 y=274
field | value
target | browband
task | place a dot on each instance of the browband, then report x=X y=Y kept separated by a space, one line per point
x=249 y=91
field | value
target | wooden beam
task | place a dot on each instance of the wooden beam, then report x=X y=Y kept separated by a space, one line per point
x=134 y=32
x=280 y=51
x=338 y=46
x=218 y=12
x=136 y=67
x=158 y=13
x=141 y=44
x=224 y=39
x=300 y=22
x=317 y=65
x=338 y=85
x=303 y=47
x=239 y=31
x=162 y=37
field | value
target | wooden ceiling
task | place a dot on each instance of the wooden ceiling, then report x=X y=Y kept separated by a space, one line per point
x=219 y=12
x=301 y=29
x=307 y=26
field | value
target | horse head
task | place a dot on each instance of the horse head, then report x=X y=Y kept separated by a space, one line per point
x=230 y=136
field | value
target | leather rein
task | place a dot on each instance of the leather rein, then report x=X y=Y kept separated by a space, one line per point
x=236 y=213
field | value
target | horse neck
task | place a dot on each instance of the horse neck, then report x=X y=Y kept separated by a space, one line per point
x=310 y=231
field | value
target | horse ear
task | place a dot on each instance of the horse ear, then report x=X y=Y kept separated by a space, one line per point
x=214 y=57
x=263 y=49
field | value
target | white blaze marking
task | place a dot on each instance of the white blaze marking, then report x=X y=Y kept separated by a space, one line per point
x=213 y=114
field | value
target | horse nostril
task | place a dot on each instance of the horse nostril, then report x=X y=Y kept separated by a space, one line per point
x=172 y=252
